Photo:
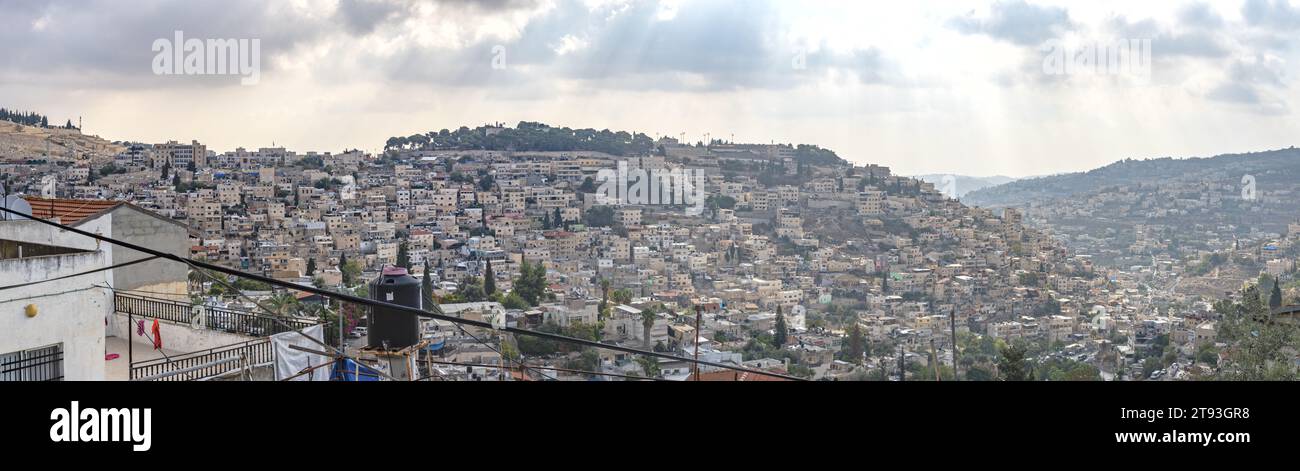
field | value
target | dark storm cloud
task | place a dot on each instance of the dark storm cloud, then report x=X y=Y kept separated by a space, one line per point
x=725 y=41
x=1165 y=44
x=1199 y=15
x=1249 y=82
x=111 y=39
x=1277 y=14
x=706 y=46
x=1018 y=22
x=362 y=16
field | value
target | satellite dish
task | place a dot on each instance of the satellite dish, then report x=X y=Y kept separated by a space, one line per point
x=15 y=203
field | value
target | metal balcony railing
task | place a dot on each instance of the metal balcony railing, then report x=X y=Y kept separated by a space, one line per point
x=204 y=364
x=226 y=320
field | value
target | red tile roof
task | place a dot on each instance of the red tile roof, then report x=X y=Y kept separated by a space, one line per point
x=69 y=211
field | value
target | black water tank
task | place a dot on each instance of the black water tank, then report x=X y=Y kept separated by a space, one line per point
x=399 y=329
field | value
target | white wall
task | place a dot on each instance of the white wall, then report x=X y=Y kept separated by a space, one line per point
x=70 y=311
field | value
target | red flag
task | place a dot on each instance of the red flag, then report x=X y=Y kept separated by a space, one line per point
x=157 y=336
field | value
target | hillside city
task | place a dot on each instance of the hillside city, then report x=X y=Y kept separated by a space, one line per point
x=799 y=263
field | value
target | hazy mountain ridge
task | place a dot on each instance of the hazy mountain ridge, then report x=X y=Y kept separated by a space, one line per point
x=1227 y=169
x=965 y=184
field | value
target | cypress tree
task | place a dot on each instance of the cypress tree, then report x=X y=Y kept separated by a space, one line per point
x=343 y=263
x=403 y=256
x=426 y=284
x=782 y=331
x=489 y=280
x=1275 y=299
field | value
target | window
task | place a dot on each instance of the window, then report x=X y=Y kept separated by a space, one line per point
x=37 y=364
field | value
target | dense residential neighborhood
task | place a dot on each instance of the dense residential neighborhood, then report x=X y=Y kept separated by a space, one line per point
x=975 y=231
x=800 y=263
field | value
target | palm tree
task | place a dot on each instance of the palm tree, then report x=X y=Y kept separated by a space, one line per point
x=196 y=280
x=647 y=323
x=319 y=311
x=284 y=304
x=603 y=309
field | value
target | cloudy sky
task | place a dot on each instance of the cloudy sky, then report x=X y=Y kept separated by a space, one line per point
x=925 y=87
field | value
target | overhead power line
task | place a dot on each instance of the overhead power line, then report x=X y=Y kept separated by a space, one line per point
x=74 y=275
x=552 y=368
x=393 y=307
x=429 y=299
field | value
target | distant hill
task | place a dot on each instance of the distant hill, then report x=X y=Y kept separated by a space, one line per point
x=539 y=137
x=1137 y=208
x=964 y=184
x=527 y=136
x=1228 y=169
x=21 y=142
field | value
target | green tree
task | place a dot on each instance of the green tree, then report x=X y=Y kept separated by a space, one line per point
x=600 y=216
x=343 y=262
x=1207 y=354
x=514 y=301
x=351 y=316
x=509 y=351
x=471 y=290
x=404 y=256
x=588 y=360
x=650 y=366
x=622 y=296
x=603 y=309
x=311 y=267
x=978 y=374
x=782 y=331
x=1258 y=348
x=426 y=284
x=489 y=280
x=855 y=345
x=647 y=324
x=531 y=284
x=351 y=271
x=1012 y=365
x=1275 y=299
x=283 y=304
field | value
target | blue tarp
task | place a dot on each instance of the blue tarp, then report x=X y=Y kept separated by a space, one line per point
x=433 y=347
x=351 y=371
